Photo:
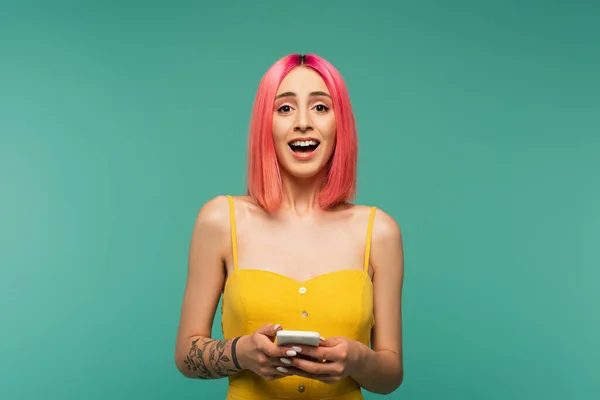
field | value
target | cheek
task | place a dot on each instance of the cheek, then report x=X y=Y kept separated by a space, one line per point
x=328 y=130
x=327 y=127
x=280 y=128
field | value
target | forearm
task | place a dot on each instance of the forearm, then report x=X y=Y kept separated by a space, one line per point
x=207 y=358
x=379 y=371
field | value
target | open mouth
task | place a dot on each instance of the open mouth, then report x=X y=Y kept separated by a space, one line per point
x=304 y=146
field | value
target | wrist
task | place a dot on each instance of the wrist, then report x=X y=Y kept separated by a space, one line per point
x=363 y=358
x=242 y=350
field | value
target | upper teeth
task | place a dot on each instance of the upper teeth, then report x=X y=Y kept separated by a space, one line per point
x=304 y=143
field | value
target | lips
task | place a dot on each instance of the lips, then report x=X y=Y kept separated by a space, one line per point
x=304 y=145
x=305 y=148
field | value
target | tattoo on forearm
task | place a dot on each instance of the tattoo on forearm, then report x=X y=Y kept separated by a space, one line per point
x=212 y=359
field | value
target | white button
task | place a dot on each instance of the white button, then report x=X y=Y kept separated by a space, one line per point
x=302 y=290
x=304 y=314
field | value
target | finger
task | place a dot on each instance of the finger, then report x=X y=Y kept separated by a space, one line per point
x=319 y=353
x=275 y=373
x=317 y=368
x=282 y=371
x=278 y=361
x=274 y=351
x=269 y=330
x=329 y=342
x=323 y=378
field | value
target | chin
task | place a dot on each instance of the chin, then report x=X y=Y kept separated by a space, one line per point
x=305 y=171
x=310 y=165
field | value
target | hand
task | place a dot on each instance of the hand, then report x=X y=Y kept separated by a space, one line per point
x=334 y=359
x=258 y=353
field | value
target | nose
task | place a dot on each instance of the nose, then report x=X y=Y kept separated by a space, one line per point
x=302 y=123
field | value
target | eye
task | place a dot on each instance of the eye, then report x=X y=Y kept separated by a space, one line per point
x=322 y=108
x=284 y=109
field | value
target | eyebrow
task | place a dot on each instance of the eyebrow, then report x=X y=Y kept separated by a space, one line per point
x=292 y=94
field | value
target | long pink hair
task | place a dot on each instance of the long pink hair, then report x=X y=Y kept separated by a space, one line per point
x=264 y=178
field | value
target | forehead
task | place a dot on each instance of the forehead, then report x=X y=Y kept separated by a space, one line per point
x=302 y=80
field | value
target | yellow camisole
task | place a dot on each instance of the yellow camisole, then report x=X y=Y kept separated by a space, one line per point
x=334 y=304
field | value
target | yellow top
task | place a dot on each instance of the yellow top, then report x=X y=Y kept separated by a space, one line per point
x=334 y=304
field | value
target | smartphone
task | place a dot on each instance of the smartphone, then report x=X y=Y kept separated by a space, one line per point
x=298 y=337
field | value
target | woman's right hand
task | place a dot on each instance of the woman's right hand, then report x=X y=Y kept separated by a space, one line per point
x=258 y=353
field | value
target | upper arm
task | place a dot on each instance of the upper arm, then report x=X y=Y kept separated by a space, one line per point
x=205 y=276
x=387 y=258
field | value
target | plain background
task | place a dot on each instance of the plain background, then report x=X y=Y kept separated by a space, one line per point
x=479 y=125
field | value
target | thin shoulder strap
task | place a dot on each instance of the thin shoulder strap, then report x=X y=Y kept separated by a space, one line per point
x=369 y=234
x=233 y=231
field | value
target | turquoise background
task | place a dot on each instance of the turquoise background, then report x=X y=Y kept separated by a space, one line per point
x=479 y=128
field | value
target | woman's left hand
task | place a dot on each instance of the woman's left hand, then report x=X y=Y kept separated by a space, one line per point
x=335 y=358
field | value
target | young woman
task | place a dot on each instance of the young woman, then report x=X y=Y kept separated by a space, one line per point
x=295 y=254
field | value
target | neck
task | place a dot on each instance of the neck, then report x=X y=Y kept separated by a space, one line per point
x=300 y=194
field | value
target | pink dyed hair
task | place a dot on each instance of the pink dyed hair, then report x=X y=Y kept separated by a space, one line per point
x=264 y=178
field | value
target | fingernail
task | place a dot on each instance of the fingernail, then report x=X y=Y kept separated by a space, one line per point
x=282 y=370
x=276 y=327
x=290 y=353
x=285 y=361
x=322 y=338
x=297 y=349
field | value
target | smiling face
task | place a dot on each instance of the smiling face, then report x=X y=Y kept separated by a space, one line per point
x=304 y=129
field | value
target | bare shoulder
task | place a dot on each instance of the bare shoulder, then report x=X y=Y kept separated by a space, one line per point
x=385 y=226
x=387 y=252
x=386 y=241
x=247 y=210
x=386 y=229
x=245 y=203
x=211 y=229
x=214 y=215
